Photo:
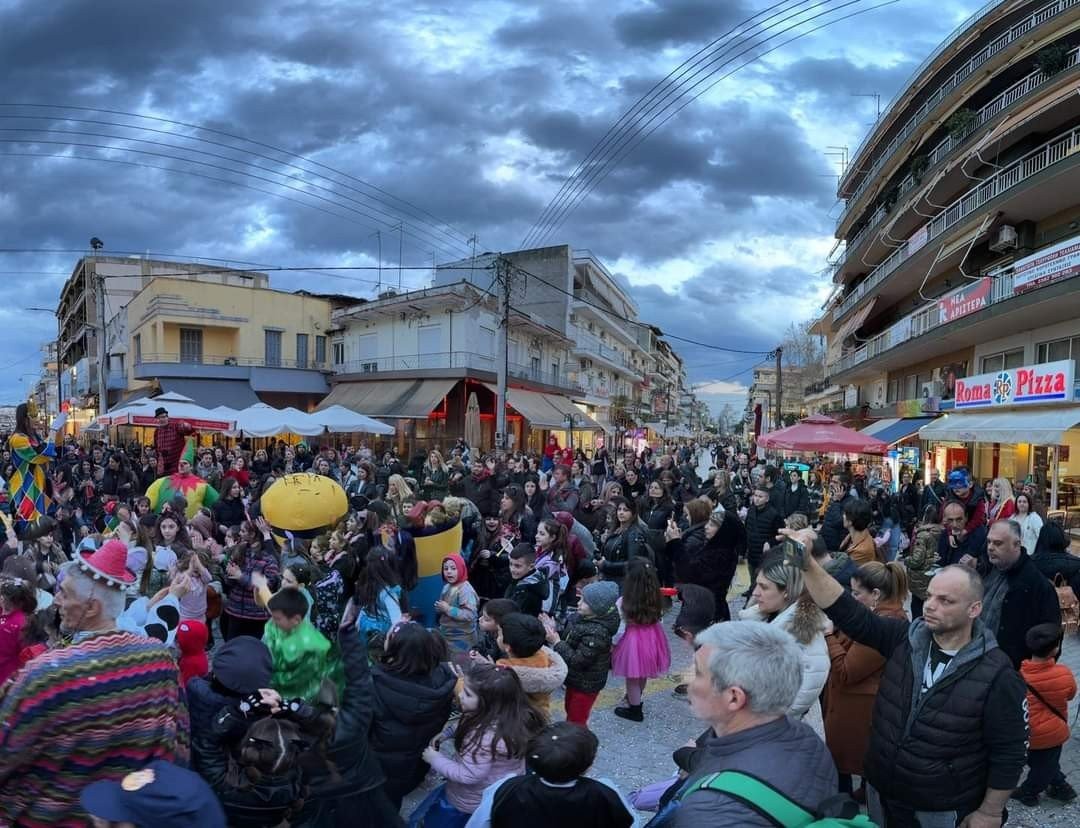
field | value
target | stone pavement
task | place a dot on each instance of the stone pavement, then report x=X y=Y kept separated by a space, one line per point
x=633 y=754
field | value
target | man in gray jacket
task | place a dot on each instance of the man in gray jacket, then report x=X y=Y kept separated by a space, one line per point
x=746 y=675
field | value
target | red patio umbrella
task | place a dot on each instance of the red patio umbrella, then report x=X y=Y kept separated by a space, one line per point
x=824 y=434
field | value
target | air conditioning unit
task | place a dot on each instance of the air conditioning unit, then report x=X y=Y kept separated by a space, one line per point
x=932 y=389
x=1004 y=239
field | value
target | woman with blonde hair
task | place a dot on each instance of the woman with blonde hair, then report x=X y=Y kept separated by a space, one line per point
x=778 y=598
x=436 y=477
x=400 y=497
x=856 y=669
x=1002 y=502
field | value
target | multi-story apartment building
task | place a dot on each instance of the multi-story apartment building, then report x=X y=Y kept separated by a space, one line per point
x=46 y=392
x=418 y=358
x=574 y=348
x=226 y=344
x=961 y=238
x=92 y=307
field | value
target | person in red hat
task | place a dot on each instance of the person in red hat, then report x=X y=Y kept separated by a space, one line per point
x=106 y=704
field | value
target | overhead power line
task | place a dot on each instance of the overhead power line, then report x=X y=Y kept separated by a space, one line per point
x=430 y=237
x=410 y=209
x=629 y=321
x=588 y=177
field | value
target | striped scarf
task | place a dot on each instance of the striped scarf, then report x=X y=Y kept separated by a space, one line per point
x=97 y=709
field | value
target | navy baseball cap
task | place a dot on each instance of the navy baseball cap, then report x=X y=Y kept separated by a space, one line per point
x=161 y=795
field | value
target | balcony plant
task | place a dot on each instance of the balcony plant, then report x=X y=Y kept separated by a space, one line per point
x=919 y=165
x=961 y=122
x=1052 y=59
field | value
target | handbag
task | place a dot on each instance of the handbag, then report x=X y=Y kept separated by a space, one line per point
x=1069 y=604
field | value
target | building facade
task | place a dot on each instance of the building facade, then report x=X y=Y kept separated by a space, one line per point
x=961 y=241
x=226 y=344
x=92 y=321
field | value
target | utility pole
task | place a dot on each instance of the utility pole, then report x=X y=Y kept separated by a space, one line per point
x=503 y=273
x=779 y=385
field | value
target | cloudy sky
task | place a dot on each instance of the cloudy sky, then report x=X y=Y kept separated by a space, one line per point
x=471 y=112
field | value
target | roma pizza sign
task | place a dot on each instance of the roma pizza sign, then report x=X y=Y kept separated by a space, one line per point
x=1046 y=383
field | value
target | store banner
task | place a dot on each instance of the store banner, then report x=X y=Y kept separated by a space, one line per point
x=1049 y=382
x=967 y=300
x=1052 y=264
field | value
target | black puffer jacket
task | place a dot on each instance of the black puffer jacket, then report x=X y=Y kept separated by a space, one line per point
x=762 y=526
x=939 y=750
x=620 y=547
x=710 y=563
x=832 y=524
x=409 y=712
x=796 y=501
x=349 y=766
x=586 y=649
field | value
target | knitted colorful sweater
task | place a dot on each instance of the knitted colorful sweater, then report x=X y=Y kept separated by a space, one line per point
x=94 y=710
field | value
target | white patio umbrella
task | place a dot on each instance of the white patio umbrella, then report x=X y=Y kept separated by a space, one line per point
x=338 y=419
x=262 y=420
x=141 y=412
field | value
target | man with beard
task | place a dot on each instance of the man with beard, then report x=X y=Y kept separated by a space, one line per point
x=103 y=706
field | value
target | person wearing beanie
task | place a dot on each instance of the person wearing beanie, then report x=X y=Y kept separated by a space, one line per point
x=241 y=666
x=457 y=605
x=161 y=795
x=585 y=645
x=191 y=637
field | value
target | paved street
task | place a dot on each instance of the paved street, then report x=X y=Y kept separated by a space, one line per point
x=634 y=754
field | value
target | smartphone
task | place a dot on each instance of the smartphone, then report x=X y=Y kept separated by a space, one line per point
x=795 y=553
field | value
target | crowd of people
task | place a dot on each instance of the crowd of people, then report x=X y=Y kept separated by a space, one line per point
x=170 y=655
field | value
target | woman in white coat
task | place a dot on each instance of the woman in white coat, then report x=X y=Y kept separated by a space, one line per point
x=778 y=599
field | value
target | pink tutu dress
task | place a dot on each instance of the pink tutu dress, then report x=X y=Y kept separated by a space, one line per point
x=642 y=652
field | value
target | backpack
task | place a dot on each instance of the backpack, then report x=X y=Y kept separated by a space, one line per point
x=1069 y=605
x=838 y=811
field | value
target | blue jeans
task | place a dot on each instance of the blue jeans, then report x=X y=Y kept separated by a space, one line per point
x=436 y=812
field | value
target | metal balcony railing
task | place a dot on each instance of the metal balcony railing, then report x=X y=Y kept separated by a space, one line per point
x=455 y=359
x=228 y=359
x=587 y=343
x=947 y=145
x=1013 y=33
x=1004 y=179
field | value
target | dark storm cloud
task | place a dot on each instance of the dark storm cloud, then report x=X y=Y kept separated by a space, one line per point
x=476 y=113
x=677 y=22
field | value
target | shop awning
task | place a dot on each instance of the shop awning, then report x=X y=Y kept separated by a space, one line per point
x=390 y=398
x=848 y=327
x=533 y=406
x=1039 y=426
x=894 y=430
x=566 y=406
x=878 y=425
x=212 y=393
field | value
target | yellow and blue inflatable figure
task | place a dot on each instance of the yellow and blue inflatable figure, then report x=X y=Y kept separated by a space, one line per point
x=431 y=549
x=303 y=505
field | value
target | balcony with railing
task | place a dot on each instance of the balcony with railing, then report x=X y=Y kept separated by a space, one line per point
x=1007 y=177
x=945 y=148
x=456 y=361
x=963 y=72
x=146 y=359
x=592 y=346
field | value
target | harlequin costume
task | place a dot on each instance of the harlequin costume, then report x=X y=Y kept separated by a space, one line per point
x=98 y=709
x=196 y=491
x=31 y=456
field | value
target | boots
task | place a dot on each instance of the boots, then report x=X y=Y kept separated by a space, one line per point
x=631 y=712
